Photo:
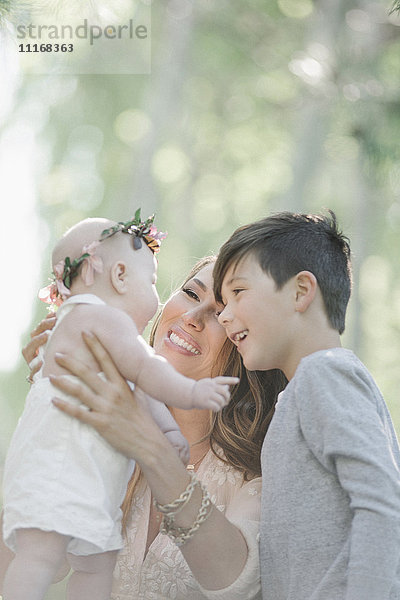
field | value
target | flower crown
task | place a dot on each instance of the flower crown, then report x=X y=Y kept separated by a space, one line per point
x=65 y=271
x=140 y=230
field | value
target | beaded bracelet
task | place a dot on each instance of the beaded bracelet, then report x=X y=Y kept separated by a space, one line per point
x=180 y=535
x=177 y=505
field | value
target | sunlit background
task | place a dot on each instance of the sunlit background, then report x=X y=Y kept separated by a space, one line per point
x=253 y=106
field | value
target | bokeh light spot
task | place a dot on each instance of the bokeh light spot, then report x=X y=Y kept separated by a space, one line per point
x=132 y=126
x=297 y=9
x=170 y=164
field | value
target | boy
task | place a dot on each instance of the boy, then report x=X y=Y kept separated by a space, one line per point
x=63 y=484
x=330 y=526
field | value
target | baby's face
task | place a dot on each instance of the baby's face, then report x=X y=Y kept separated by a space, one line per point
x=142 y=300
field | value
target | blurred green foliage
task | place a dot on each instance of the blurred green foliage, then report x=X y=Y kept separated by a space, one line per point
x=252 y=106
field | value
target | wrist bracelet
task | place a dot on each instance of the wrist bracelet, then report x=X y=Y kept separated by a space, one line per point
x=177 y=505
x=180 y=535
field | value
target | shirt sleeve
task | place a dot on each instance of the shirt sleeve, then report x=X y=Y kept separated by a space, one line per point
x=338 y=405
x=244 y=512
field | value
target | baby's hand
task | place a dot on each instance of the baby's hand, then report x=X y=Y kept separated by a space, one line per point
x=212 y=393
x=180 y=444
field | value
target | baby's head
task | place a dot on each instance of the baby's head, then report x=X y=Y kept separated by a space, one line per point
x=286 y=244
x=114 y=261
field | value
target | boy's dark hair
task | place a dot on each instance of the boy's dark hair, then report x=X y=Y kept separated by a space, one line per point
x=287 y=243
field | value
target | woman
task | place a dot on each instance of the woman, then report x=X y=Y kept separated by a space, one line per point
x=220 y=559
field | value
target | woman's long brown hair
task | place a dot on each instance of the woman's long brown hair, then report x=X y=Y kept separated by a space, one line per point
x=239 y=428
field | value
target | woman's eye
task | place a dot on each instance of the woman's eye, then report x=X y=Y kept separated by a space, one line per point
x=190 y=293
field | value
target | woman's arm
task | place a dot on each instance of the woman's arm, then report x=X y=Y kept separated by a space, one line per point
x=217 y=553
x=170 y=428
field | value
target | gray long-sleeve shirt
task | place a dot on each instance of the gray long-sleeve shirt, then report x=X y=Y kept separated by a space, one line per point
x=330 y=524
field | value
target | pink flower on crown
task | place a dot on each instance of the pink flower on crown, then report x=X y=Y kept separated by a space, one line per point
x=50 y=295
x=157 y=235
x=58 y=271
x=91 y=264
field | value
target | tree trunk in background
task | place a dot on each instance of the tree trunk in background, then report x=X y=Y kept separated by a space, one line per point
x=312 y=126
x=162 y=100
x=314 y=113
x=362 y=53
x=359 y=247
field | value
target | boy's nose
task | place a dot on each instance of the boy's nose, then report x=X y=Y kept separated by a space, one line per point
x=224 y=317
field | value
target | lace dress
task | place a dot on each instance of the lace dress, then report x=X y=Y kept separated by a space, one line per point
x=163 y=573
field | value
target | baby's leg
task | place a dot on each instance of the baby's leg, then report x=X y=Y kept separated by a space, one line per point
x=92 y=576
x=38 y=557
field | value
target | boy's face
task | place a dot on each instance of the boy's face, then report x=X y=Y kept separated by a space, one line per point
x=143 y=297
x=256 y=315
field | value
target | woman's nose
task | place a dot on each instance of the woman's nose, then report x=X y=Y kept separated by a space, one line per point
x=194 y=318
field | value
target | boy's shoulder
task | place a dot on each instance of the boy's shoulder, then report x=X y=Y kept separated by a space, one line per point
x=340 y=359
x=335 y=396
x=333 y=367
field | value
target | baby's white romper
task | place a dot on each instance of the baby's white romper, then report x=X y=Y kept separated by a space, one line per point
x=60 y=474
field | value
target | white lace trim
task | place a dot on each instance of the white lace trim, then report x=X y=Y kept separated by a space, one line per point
x=164 y=574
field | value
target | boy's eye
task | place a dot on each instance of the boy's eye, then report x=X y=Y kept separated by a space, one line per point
x=236 y=291
x=219 y=309
x=191 y=293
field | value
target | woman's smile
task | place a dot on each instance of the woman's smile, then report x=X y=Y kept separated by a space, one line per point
x=183 y=341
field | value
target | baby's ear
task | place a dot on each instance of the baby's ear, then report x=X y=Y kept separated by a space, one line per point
x=118 y=275
x=306 y=288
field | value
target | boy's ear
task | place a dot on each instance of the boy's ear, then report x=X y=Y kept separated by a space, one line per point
x=118 y=276
x=306 y=288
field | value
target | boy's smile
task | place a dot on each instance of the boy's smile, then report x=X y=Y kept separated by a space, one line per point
x=238 y=337
x=256 y=315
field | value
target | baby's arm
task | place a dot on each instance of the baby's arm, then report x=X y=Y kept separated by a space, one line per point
x=167 y=424
x=159 y=379
x=137 y=362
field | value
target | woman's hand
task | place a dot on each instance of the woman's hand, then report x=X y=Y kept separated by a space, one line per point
x=38 y=338
x=118 y=414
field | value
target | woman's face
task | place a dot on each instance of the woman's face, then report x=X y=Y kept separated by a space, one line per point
x=188 y=334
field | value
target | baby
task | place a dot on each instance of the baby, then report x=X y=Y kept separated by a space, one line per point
x=63 y=484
